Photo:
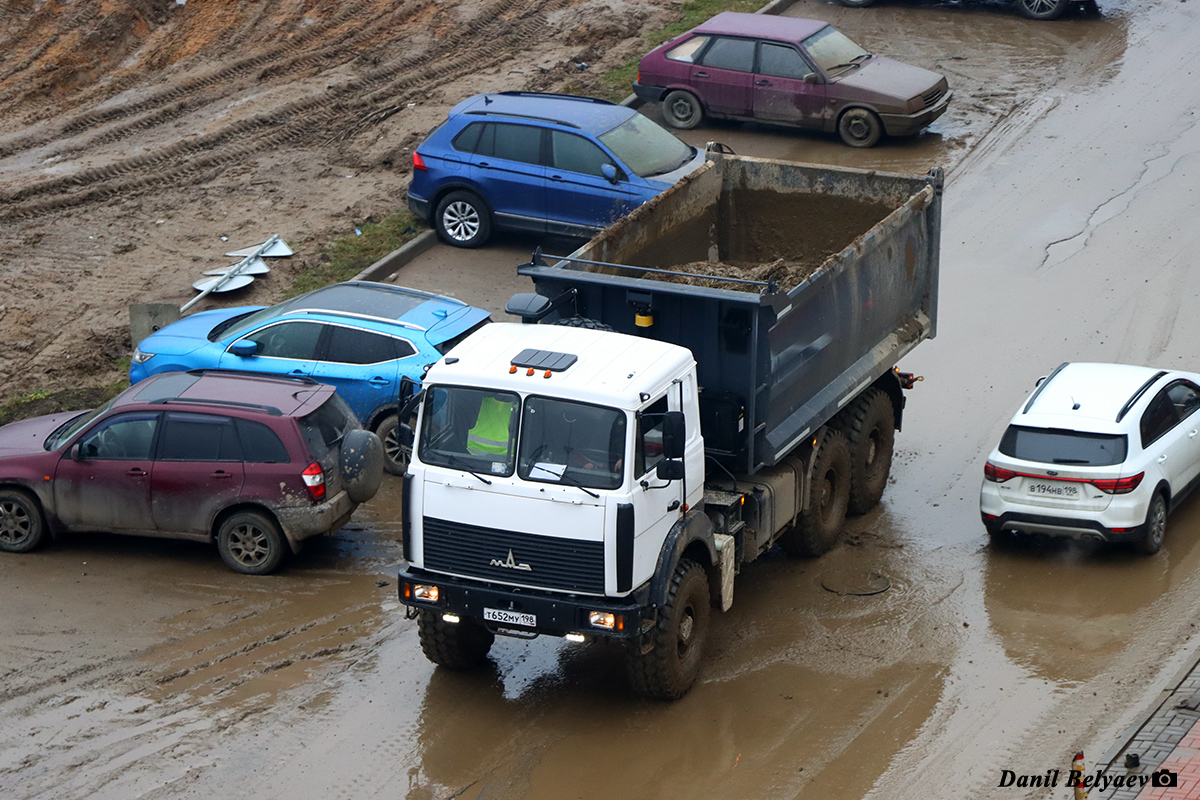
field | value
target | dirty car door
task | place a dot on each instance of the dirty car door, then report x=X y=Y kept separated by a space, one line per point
x=103 y=481
x=197 y=473
x=780 y=93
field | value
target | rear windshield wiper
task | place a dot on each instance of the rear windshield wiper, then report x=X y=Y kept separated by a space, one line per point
x=1072 y=461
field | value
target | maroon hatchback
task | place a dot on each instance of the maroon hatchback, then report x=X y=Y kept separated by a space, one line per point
x=256 y=463
x=788 y=71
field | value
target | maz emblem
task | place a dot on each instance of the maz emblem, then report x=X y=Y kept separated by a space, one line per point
x=510 y=563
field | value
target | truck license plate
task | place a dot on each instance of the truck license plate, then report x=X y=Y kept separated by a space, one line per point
x=510 y=617
x=1066 y=491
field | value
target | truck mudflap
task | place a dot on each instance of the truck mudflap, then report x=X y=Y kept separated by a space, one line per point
x=524 y=613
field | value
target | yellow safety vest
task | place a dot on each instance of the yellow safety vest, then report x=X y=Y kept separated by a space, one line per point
x=490 y=434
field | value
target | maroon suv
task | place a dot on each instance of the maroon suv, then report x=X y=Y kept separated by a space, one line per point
x=788 y=71
x=256 y=463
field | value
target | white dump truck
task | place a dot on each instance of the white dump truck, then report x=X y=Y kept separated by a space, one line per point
x=606 y=467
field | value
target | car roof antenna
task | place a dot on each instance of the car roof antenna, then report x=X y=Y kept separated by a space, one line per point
x=1074 y=404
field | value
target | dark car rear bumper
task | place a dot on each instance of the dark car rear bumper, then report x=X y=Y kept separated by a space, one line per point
x=909 y=124
x=648 y=94
x=328 y=517
x=557 y=614
x=1061 y=527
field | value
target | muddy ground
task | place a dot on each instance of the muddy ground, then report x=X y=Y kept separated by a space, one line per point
x=144 y=669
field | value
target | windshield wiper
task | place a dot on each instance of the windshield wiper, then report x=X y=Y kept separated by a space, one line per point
x=565 y=478
x=1072 y=461
x=453 y=459
x=857 y=61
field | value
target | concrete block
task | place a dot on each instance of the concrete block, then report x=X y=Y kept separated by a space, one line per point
x=146 y=318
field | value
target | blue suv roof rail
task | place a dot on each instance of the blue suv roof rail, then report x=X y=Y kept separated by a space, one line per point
x=556 y=96
x=511 y=115
x=353 y=315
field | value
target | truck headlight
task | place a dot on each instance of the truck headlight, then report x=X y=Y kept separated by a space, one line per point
x=420 y=591
x=139 y=357
x=605 y=620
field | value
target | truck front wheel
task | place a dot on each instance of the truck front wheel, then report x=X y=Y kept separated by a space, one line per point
x=664 y=662
x=870 y=428
x=817 y=527
x=457 y=645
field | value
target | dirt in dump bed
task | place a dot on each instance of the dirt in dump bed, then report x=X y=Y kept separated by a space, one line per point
x=775 y=236
x=786 y=274
x=760 y=226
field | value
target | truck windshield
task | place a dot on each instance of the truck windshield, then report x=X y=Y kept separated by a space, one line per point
x=572 y=443
x=469 y=429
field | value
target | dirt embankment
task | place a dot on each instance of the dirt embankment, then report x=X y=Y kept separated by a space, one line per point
x=142 y=139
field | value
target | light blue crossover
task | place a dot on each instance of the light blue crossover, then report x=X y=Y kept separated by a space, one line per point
x=360 y=337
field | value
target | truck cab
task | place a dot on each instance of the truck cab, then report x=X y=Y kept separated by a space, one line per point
x=556 y=460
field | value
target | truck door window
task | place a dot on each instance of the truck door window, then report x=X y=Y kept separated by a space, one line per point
x=469 y=429
x=572 y=443
x=648 y=447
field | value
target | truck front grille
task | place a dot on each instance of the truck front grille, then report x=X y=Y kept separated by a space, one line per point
x=522 y=558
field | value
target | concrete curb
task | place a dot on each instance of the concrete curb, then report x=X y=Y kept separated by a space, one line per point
x=390 y=264
x=1106 y=761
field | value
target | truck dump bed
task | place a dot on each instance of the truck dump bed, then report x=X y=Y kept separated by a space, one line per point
x=826 y=277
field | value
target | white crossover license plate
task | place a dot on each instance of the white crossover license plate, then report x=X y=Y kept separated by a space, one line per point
x=1066 y=491
x=510 y=617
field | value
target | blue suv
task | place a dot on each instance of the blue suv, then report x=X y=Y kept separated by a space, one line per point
x=359 y=337
x=546 y=163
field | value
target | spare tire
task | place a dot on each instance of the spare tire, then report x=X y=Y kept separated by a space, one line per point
x=585 y=322
x=361 y=464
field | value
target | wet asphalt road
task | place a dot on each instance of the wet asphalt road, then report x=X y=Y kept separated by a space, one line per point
x=136 y=669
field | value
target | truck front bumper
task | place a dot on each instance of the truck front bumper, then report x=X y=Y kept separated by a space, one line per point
x=554 y=614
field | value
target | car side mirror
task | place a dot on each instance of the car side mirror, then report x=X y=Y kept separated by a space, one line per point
x=609 y=172
x=76 y=452
x=244 y=348
x=812 y=77
x=1040 y=381
x=669 y=470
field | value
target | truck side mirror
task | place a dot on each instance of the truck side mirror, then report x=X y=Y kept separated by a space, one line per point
x=669 y=470
x=244 y=348
x=409 y=398
x=673 y=434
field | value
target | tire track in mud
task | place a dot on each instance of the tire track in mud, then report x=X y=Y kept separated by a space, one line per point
x=306 y=51
x=320 y=116
x=72 y=731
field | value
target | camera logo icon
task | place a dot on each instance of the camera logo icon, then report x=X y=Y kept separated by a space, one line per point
x=1164 y=778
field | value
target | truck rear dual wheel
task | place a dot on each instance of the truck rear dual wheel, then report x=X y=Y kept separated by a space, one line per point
x=457 y=645
x=870 y=427
x=664 y=662
x=818 y=526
